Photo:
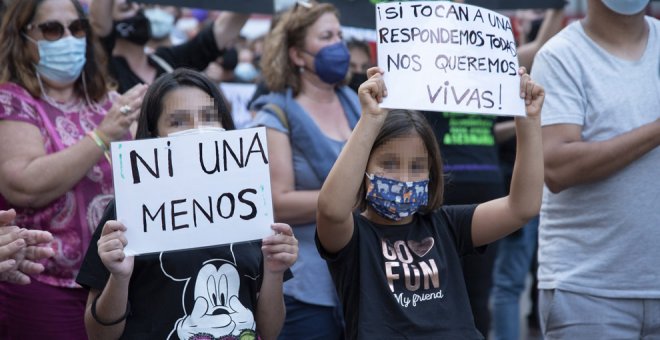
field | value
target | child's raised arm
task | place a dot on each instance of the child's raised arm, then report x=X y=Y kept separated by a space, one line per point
x=497 y=218
x=338 y=196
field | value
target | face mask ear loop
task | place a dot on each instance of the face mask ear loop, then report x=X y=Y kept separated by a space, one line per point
x=30 y=39
x=41 y=85
x=43 y=91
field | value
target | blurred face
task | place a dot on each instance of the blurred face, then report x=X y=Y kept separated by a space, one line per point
x=325 y=31
x=245 y=56
x=359 y=61
x=404 y=159
x=187 y=108
x=54 y=20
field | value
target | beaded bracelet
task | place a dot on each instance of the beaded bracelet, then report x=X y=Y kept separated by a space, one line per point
x=96 y=317
x=100 y=143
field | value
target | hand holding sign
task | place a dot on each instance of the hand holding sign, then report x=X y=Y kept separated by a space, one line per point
x=372 y=92
x=280 y=250
x=111 y=250
x=532 y=93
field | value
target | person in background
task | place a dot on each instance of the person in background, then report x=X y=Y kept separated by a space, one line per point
x=20 y=249
x=360 y=63
x=232 y=291
x=516 y=251
x=162 y=20
x=246 y=71
x=221 y=70
x=309 y=115
x=600 y=223
x=258 y=49
x=57 y=119
x=126 y=32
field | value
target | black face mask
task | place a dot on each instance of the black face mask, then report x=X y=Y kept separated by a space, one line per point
x=135 y=29
x=356 y=80
x=229 y=59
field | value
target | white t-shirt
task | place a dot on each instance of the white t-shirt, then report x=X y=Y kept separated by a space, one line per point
x=602 y=238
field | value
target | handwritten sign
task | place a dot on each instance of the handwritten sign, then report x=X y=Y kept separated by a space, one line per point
x=193 y=190
x=441 y=56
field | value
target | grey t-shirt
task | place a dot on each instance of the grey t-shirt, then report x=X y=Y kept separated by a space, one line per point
x=602 y=238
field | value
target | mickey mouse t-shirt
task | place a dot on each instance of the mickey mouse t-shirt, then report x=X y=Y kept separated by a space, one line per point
x=405 y=282
x=208 y=293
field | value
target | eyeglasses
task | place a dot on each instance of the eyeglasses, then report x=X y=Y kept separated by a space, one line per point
x=54 y=30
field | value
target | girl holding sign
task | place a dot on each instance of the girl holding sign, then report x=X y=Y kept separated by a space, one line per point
x=230 y=292
x=396 y=264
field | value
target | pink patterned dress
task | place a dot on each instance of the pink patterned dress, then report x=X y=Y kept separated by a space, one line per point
x=71 y=218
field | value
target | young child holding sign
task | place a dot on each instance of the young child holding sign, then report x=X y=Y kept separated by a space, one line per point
x=396 y=264
x=230 y=292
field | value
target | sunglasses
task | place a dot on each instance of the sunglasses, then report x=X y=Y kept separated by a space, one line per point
x=54 y=30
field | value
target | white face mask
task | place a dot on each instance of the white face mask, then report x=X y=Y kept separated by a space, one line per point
x=161 y=22
x=61 y=60
x=246 y=72
x=626 y=7
x=197 y=131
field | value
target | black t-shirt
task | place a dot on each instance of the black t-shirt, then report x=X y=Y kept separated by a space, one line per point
x=176 y=295
x=196 y=54
x=405 y=282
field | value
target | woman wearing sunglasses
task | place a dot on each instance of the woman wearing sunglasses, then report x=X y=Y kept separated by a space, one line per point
x=57 y=119
x=125 y=30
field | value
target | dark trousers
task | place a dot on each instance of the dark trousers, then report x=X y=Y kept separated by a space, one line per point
x=306 y=321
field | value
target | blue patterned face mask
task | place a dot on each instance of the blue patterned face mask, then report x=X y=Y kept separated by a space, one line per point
x=396 y=200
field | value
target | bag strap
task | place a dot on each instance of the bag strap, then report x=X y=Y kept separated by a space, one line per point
x=281 y=115
x=162 y=63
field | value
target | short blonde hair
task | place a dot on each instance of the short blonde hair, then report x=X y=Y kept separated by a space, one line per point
x=278 y=70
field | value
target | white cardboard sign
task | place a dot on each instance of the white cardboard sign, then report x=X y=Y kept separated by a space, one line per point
x=442 y=56
x=193 y=191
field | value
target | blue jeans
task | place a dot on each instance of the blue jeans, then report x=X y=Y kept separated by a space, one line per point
x=307 y=321
x=512 y=264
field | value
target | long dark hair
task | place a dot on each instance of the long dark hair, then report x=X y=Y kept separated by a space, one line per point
x=152 y=105
x=402 y=123
x=18 y=67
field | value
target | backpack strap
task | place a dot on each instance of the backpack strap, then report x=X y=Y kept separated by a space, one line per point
x=162 y=63
x=281 y=115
